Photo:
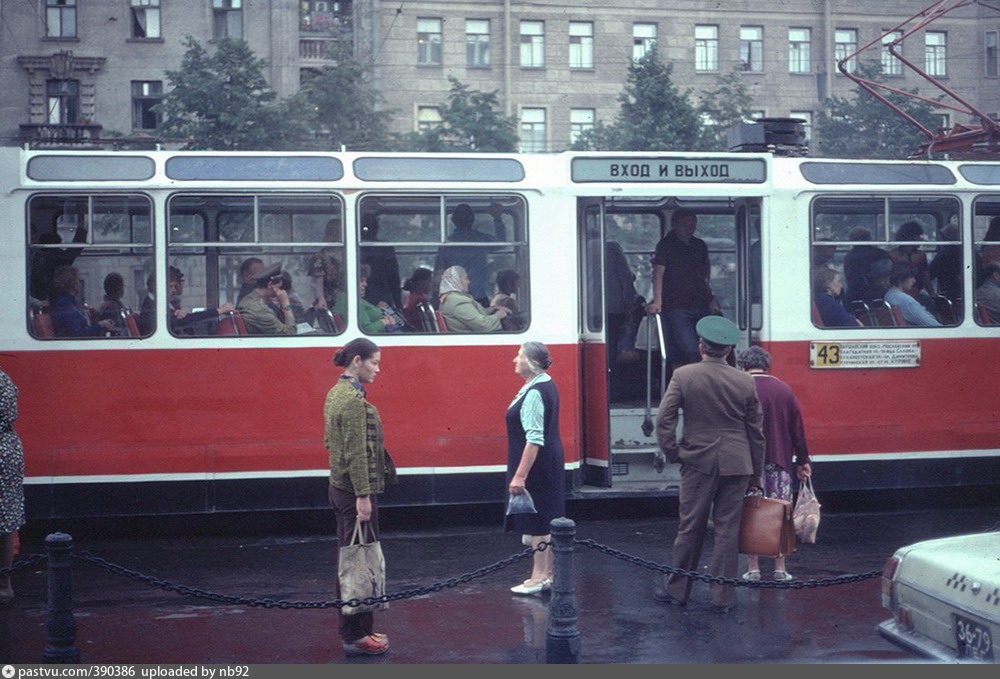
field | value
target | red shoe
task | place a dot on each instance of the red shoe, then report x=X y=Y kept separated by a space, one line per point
x=369 y=645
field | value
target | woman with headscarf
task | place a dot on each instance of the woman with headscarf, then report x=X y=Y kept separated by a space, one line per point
x=535 y=460
x=11 y=481
x=460 y=311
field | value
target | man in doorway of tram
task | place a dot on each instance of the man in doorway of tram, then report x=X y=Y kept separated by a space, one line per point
x=258 y=314
x=681 y=289
x=721 y=454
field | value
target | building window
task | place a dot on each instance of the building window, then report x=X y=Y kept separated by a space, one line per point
x=63 y=101
x=890 y=64
x=219 y=243
x=91 y=261
x=752 y=48
x=992 y=64
x=643 y=40
x=429 y=41
x=60 y=18
x=580 y=120
x=532 y=130
x=706 y=48
x=799 y=50
x=227 y=19
x=532 y=44
x=428 y=118
x=145 y=18
x=581 y=44
x=807 y=116
x=477 y=42
x=145 y=95
x=935 y=48
x=845 y=43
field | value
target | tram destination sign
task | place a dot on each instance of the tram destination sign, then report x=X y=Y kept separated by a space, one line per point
x=669 y=170
x=865 y=354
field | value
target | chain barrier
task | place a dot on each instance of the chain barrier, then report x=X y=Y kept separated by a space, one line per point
x=284 y=604
x=718 y=579
x=27 y=562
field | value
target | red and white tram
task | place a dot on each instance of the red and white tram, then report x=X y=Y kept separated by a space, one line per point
x=159 y=417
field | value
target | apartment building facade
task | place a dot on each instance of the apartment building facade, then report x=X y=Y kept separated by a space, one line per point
x=85 y=69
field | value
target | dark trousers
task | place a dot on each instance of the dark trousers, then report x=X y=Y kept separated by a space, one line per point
x=700 y=495
x=359 y=625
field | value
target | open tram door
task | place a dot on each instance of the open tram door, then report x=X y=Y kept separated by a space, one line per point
x=623 y=368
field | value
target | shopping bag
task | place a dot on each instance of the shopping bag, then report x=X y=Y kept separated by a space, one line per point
x=361 y=569
x=646 y=337
x=806 y=513
x=520 y=504
x=766 y=528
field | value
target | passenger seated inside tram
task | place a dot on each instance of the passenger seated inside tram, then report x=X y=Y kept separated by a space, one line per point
x=111 y=306
x=988 y=253
x=827 y=286
x=460 y=311
x=472 y=258
x=67 y=318
x=506 y=297
x=988 y=294
x=258 y=316
x=916 y=258
x=823 y=255
x=372 y=318
x=861 y=265
x=946 y=267
x=901 y=281
x=147 y=310
x=418 y=289
x=297 y=307
x=249 y=268
x=182 y=321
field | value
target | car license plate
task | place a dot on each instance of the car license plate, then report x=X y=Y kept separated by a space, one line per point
x=973 y=640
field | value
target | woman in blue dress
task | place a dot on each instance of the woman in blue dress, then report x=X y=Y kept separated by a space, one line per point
x=535 y=459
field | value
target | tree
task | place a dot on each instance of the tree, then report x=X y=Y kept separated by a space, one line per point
x=470 y=121
x=654 y=114
x=222 y=101
x=727 y=105
x=345 y=104
x=864 y=127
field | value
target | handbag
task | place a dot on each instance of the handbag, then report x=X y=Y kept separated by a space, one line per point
x=806 y=513
x=361 y=570
x=766 y=528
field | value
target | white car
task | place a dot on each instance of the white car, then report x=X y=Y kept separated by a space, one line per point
x=944 y=596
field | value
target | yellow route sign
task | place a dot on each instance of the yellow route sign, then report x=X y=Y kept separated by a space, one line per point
x=865 y=354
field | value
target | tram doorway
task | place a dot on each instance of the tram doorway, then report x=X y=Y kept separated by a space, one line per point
x=626 y=355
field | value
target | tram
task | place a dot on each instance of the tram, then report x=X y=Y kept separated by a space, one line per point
x=146 y=414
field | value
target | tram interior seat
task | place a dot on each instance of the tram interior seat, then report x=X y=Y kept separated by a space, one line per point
x=817 y=319
x=41 y=322
x=982 y=314
x=231 y=324
x=431 y=319
x=897 y=316
x=131 y=323
x=862 y=312
x=881 y=313
x=945 y=310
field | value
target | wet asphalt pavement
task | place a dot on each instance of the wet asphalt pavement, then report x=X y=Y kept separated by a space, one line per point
x=291 y=557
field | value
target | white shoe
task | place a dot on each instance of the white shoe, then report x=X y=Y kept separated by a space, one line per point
x=783 y=575
x=532 y=589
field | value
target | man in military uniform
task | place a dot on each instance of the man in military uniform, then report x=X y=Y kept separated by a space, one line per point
x=258 y=315
x=721 y=454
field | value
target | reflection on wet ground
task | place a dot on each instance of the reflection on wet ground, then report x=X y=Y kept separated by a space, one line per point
x=122 y=621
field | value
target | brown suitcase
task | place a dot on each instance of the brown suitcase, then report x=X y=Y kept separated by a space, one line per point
x=766 y=528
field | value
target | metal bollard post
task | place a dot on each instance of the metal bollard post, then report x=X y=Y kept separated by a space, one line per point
x=60 y=625
x=562 y=645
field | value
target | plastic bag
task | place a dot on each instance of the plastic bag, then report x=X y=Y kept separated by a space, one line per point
x=521 y=504
x=806 y=513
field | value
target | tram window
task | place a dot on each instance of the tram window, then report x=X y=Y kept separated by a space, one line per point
x=883 y=247
x=218 y=244
x=986 y=236
x=89 y=257
x=400 y=236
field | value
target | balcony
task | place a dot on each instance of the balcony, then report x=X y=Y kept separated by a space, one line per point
x=70 y=135
x=315 y=51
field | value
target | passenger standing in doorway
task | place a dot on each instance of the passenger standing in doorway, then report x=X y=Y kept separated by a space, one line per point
x=681 y=290
x=721 y=456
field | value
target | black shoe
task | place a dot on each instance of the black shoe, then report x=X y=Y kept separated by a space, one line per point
x=664 y=598
x=716 y=608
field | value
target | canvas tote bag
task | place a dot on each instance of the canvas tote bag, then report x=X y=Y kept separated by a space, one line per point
x=361 y=569
x=766 y=528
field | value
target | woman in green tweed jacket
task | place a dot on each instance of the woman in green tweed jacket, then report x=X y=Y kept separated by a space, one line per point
x=360 y=468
